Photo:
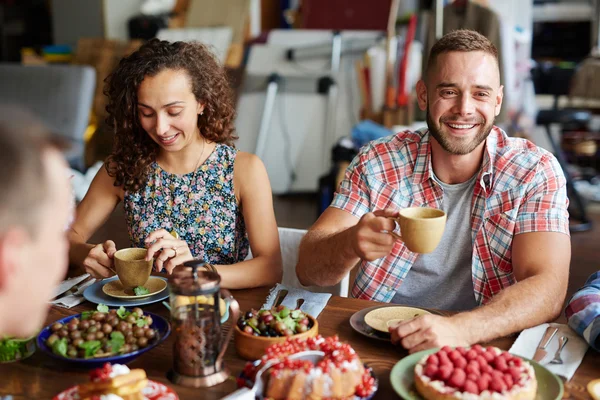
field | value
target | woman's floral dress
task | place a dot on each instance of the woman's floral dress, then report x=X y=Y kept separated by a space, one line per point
x=200 y=206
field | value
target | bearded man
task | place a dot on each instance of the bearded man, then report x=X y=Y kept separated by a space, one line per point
x=503 y=260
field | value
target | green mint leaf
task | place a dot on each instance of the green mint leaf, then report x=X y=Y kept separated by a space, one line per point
x=86 y=315
x=140 y=290
x=60 y=347
x=122 y=312
x=8 y=349
x=117 y=340
x=289 y=322
x=102 y=308
x=141 y=322
x=90 y=347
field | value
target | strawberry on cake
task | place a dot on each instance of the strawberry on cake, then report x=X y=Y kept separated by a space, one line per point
x=475 y=373
x=339 y=375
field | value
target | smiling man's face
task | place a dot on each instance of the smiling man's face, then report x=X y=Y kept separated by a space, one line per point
x=462 y=96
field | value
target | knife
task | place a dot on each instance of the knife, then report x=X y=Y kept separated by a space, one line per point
x=541 y=352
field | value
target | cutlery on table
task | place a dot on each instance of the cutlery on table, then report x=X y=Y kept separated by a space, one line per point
x=562 y=341
x=313 y=356
x=541 y=352
x=75 y=289
x=279 y=298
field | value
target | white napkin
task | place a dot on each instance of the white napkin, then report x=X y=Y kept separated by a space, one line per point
x=572 y=355
x=313 y=304
x=68 y=284
x=76 y=298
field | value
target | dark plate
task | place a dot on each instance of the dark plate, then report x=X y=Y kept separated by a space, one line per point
x=357 y=322
x=249 y=382
x=160 y=324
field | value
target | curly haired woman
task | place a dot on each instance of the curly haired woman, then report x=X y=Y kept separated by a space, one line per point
x=175 y=168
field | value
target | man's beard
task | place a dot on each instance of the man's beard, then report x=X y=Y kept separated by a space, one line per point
x=457 y=147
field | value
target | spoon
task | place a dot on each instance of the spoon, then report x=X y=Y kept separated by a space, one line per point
x=313 y=356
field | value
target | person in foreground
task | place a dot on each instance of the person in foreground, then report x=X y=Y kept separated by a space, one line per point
x=34 y=210
x=187 y=192
x=503 y=260
x=583 y=311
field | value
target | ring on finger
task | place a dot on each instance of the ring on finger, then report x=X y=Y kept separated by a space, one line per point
x=175 y=250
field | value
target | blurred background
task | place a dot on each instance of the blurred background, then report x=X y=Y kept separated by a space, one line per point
x=317 y=79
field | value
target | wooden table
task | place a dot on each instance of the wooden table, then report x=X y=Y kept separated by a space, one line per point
x=40 y=377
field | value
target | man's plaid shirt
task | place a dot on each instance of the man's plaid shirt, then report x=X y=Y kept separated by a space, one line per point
x=520 y=188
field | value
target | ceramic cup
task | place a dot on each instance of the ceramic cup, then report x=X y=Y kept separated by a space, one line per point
x=421 y=228
x=132 y=268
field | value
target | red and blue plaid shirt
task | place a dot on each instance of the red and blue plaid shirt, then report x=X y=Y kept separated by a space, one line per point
x=583 y=311
x=520 y=188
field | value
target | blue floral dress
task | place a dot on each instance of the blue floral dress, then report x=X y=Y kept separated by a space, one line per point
x=201 y=206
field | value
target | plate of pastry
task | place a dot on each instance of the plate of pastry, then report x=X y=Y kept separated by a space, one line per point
x=118 y=381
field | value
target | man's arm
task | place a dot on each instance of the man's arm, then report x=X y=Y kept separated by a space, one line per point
x=338 y=241
x=541 y=267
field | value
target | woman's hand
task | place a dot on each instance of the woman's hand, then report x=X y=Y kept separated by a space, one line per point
x=99 y=262
x=171 y=251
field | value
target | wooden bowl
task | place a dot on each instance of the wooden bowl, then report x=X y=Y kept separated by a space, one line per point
x=253 y=347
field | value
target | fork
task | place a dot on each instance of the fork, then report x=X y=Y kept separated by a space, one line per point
x=562 y=341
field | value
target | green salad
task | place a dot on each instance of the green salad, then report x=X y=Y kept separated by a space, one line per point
x=12 y=349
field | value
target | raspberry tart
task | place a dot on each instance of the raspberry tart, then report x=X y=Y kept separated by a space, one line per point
x=339 y=375
x=475 y=373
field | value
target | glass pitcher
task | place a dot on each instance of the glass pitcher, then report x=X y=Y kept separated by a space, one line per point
x=198 y=308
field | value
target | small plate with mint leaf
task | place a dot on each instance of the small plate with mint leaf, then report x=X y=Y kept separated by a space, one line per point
x=93 y=338
x=152 y=286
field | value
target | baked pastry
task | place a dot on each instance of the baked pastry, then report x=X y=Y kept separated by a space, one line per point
x=475 y=373
x=339 y=375
x=113 y=382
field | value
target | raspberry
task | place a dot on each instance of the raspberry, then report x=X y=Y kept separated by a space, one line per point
x=497 y=385
x=508 y=379
x=471 y=355
x=443 y=357
x=431 y=371
x=500 y=364
x=472 y=377
x=460 y=363
x=472 y=368
x=444 y=372
x=481 y=361
x=462 y=351
x=483 y=383
x=515 y=373
x=458 y=378
x=517 y=362
x=489 y=356
x=446 y=349
x=454 y=354
x=478 y=348
x=471 y=387
x=497 y=375
x=433 y=360
x=487 y=368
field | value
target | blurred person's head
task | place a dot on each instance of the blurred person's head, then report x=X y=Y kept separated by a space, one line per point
x=35 y=201
x=461 y=90
x=162 y=98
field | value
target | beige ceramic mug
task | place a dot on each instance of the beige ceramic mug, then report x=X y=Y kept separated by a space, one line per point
x=421 y=228
x=132 y=268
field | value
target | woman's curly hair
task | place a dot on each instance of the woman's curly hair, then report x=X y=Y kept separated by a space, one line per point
x=134 y=151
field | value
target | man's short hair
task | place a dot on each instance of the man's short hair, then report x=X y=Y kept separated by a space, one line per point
x=461 y=40
x=23 y=184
